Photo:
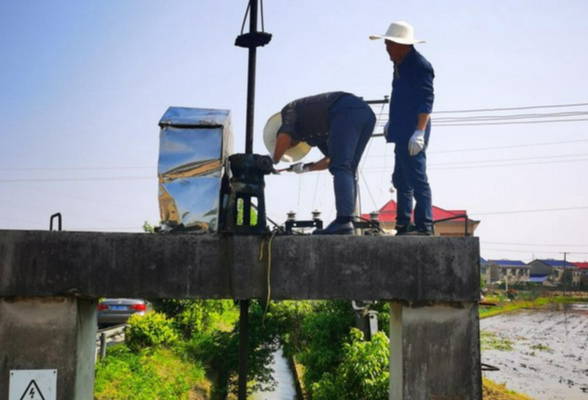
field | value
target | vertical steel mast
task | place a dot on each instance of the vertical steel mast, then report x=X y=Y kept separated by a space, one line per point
x=251 y=41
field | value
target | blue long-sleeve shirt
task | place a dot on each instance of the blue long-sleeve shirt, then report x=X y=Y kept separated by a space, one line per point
x=412 y=94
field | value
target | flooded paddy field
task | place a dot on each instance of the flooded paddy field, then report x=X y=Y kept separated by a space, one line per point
x=542 y=353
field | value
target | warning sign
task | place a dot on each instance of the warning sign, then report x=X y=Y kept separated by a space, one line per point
x=33 y=391
x=33 y=384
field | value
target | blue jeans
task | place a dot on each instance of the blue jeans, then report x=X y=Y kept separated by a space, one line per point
x=352 y=123
x=410 y=180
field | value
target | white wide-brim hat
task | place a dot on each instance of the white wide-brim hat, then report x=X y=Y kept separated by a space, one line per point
x=399 y=32
x=270 y=137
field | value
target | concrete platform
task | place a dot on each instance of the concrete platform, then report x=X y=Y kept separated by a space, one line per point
x=93 y=265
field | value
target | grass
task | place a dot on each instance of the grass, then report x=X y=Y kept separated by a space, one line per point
x=152 y=374
x=491 y=341
x=495 y=391
x=541 y=347
x=504 y=307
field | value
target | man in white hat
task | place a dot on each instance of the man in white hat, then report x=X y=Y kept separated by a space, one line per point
x=340 y=124
x=409 y=127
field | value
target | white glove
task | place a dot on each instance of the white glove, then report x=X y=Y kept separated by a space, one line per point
x=416 y=143
x=300 y=168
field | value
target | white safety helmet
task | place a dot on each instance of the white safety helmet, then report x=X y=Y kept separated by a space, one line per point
x=270 y=137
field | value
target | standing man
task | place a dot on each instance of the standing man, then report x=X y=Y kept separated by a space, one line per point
x=409 y=127
x=340 y=124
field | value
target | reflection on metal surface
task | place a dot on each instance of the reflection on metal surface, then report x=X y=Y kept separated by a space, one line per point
x=193 y=148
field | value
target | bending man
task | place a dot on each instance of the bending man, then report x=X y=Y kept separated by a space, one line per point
x=340 y=124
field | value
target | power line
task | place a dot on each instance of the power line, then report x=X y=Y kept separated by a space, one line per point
x=529 y=211
x=511 y=159
x=496 y=147
x=533 y=244
x=437 y=167
x=112 y=178
x=531 y=251
x=512 y=108
x=442 y=125
x=72 y=168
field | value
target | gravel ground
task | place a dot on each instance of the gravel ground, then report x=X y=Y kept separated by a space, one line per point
x=549 y=355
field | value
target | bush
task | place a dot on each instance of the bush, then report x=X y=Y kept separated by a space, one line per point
x=363 y=372
x=193 y=316
x=151 y=330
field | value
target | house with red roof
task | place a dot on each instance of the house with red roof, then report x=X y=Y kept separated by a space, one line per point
x=583 y=269
x=446 y=222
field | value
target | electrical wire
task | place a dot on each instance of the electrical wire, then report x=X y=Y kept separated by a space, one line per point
x=532 y=244
x=444 y=125
x=110 y=178
x=529 y=211
x=512 y=108
x=269 y=267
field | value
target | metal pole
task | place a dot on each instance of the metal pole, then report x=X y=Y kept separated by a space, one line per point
x=243 y=339
x=244 y=312
x=564 y=273
x=251 y=81
x=102 y=345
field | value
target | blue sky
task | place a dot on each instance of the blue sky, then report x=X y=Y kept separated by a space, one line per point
x=85 y=83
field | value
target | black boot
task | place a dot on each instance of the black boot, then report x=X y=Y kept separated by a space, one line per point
x=336 y=228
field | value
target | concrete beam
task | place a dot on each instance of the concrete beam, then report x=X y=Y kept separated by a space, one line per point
x=93 y=265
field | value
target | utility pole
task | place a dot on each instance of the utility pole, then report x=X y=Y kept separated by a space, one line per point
x=251 y=41
x=564 y=273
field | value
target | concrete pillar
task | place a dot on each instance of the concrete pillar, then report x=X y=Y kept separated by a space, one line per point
x=53 y=333
x=435 y=352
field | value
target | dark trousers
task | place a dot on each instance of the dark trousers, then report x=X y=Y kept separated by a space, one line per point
x=410 y=180
x=352 y=124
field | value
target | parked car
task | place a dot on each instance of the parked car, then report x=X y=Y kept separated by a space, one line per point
x=118 y=311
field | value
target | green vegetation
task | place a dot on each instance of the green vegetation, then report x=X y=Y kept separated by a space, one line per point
x=167 y=353
x=152 y=330
x=337 y=362
x=541 y=347
x=189 y=350
x=491 y=341
x=493 y=391
x=149 y=374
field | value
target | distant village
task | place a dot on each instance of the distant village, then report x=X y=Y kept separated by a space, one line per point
x=547 y=273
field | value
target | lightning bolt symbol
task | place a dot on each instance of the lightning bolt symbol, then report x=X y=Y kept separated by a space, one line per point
x=32 y=392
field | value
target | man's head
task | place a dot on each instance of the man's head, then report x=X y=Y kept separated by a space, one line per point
x=397 y=51
x=296 y=150
x=399 y=40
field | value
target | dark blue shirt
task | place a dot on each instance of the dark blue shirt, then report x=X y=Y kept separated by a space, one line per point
x=307 y=119
x=412 y=94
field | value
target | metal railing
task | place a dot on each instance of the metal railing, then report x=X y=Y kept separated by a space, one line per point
x=465 y=216
x=103 y=335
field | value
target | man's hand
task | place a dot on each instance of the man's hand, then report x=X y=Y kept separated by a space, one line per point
x=300 y=168
x=416 y=143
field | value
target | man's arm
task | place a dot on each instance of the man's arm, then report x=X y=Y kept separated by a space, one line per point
x=320 y=165
x=283 y=143
x=423 y=121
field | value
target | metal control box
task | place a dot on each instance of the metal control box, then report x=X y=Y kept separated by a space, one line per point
x=194 y=145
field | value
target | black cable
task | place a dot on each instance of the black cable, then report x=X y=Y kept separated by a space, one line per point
x=245 y=17
x=262 y=21
x=513 y=108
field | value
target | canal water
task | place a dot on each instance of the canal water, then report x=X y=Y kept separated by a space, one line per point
x=549 y=355
x=284 y=377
